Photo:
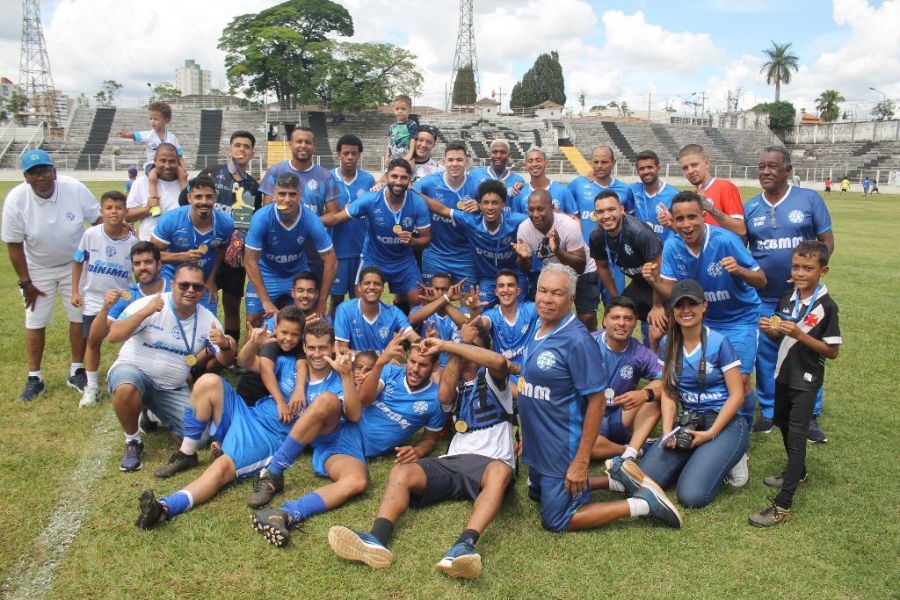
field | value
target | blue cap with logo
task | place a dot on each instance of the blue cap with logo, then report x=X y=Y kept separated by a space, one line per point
x=35 y=158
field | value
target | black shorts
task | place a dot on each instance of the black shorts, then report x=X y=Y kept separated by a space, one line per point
x=587 y=294
x=641 y=293
x=452 y=478
x=231 y=280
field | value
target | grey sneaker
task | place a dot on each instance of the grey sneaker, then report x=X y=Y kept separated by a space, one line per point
x=660 y=506
x=34 y=387
x=90 y=396
x=133 y=459
x=816 y=435
x=77 y=381
x=770 y=516
x=265 y=488
x=777 y=481
x=177 y=463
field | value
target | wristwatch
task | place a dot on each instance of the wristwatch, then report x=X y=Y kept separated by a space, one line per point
x=24 y=284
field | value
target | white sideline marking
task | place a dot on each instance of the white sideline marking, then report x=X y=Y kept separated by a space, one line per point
x=34 y=580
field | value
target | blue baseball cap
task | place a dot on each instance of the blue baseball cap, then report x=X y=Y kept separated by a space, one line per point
x=35 y=158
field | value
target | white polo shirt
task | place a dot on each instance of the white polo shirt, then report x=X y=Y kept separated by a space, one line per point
x=140 y=194
x=570 y=238
x=51 y=228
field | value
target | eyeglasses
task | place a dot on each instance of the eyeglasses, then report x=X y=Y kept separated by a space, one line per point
x=185 y=286
x=40 y=172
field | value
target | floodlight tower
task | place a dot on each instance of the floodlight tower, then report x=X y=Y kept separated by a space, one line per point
x=35 y=79
x=464 y=59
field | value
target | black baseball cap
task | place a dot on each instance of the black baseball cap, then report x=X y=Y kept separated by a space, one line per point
x=687 y=288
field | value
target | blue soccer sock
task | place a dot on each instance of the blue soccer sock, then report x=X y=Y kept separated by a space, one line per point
x=193 y=431
x=305 y=507
x=177 y=503
x=285 y=456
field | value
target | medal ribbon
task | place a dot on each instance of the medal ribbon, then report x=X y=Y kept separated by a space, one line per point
x=812 y=300
x=189 y=348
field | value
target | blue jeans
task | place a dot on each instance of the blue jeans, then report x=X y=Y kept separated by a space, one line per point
x=700 y=472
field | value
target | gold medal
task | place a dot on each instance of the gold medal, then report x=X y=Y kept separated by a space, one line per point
x=397 y=229
x=203 y=248
x=281 y=207
x=126 y=295
x=461 y=204
x=774 y=321
x=191 y=360
x=593 y=216
x=461 y=426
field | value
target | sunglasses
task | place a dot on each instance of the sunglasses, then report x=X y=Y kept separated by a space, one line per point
x=185 y=286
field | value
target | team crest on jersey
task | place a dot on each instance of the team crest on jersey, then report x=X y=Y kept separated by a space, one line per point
x=714 y=269
x=546 y=360
x=176 y=333
x=628 y=250
x=408 y=223
x=420 y=407
x=110 y=252
x=383 y=332
x=525 y=328
x=795 y=216
x=626 y=372
x=182 y=241
x=312 y=185
x=300 y=239
x=758 y=221
x=360 y=193
x=70 y=216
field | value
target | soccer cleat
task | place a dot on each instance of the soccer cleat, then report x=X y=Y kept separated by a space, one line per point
x=763 y=425
x=660 y=506
x=134 y=456
x=78 y=381
x=177 y=463
x=739 y=474
x=461 y=561
x=359 y=547
x=146 y=423
x=625 y=472
x=34 y=387
x=777 y=481
x=152 y=511
x=770 y=516
x=90 y=396
x=274 y=525
x=816 y=435
x=265 y=488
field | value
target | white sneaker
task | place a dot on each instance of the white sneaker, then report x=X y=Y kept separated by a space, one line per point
x=739 y=474
x=90 y=396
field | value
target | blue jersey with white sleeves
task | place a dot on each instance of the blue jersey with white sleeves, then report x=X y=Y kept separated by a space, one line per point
x=136 y=294
x=493 y=249
x=175 y=229
x=559 y=194
x=720 y=357
x=352 y=326
x=558 y=373
x=731 y=300
x=280 y=245
x=646 y=207
x=447 y=237
x=585 y=191
x=775 y=230
x=349 y=237
x=383 y=245
x=398 y=412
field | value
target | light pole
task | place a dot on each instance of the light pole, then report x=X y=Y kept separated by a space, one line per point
x=883 y=95
x=685 y=100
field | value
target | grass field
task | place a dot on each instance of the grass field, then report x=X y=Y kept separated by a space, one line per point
x=67 y=513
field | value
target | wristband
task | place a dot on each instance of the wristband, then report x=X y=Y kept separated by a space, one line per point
x=651 y=395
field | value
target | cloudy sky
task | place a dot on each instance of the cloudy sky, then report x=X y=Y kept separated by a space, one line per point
x=655 y=50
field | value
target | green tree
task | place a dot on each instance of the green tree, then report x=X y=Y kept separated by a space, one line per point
x=827 y=105
x=582 y=99
x=16 y=106
x=884 y=110
x=778 y=66
x=544 y=81
x=464 y=87
x=165 y=92
x=276 y=50
x=111 y=88
x=782 y=115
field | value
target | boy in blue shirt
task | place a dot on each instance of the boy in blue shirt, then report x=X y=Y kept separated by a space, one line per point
x=367 y=323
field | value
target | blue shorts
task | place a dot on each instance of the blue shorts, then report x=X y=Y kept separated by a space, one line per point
x=346 y=275
x=402 y=278
x=744 y=339
x=278 y=289
x=345 y=439
x=557 y=505
x=612 y=427
x=250 y=436
x=432 y=264
x=168 y=405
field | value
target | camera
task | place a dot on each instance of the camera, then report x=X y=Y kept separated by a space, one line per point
x=689 y=419
x=543 y=249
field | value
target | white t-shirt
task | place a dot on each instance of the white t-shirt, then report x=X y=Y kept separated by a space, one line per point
x=139 y=195
x=107 y=265
x=494 y=442
x=158 y=347
x=50 y=229
x=151 y=140
x=570 y=238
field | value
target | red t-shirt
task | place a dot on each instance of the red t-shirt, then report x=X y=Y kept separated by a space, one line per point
x=726 y=197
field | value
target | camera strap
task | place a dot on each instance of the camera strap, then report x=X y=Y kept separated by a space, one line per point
x=701 y=367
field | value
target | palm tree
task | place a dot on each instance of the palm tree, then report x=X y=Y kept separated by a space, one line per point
x=827 y=105
x=779 y=66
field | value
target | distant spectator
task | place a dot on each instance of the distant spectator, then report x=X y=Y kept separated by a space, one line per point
x=796 y=180
x=132 y=175
x=867 y=183
x=845 y=185
x=828 y=185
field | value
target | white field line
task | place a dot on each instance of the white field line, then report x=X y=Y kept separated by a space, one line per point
x=36 y=571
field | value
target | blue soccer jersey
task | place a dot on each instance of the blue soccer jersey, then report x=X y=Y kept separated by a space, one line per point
x=133 y=293
x=349 y=237
x=559 y=193
x=399 y=412
x=281 y=246
x=559 y=372
x=509 y=338
x=509 y=179
x=352 y=326
x=445 y=327
x=447 y=237
x=331 y=383
x=646 y=207
x=493 y=249
x=626 y=369
x=175 y=229
x=720 y=357
x=774 y=232
x=731 y=300
x=585 y=191
x=383 y=245
x=317 y=185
